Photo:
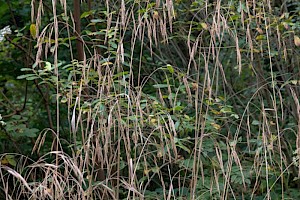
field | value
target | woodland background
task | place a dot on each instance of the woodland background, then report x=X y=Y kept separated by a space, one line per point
x=141 y=99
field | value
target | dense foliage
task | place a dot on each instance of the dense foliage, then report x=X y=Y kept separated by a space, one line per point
x=149 y=99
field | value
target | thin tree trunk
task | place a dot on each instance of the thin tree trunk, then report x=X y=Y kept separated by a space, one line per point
x=79 y=44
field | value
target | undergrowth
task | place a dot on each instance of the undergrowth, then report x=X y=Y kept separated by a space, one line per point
x=172 y=100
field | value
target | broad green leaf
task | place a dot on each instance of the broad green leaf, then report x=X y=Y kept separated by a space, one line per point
x=179 y=144
x=48 y=66
x=161 y=85
x=226 y=109
x=187 y=163
x=255 y=122
x=261 y=37
x=171 y=69
x=32 y=78
x=26 y=69
x=113 y=45
x=235 y=116
x=204 y=26
x=88 y=13
x=33 y=31
x=97 y=20
x=27 y=76
x=11 y=160
x=31 y=132
x=155 y=169
x=216 y=126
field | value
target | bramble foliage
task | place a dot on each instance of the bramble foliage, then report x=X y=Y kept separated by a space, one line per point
x=150 y=99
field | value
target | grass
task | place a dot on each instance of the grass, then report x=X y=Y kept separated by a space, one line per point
x=208 y=122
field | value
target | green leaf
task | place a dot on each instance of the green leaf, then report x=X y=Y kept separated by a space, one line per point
x=155 y=169
x=255 y=122
x=120 y=74
x=48 y=66
x=88 y=13
x=11 y=160
x=27 y=76
x=204 y=26
x=178 y=108
x=32 y=29
x=235 y=116
x=32 y=132
x=97 y=20
x=113 y=45
x=261 y=37
x=226 y=109
x=180 y=145
x=132 y=118
x=161 y=85
x=187 y=163
x=32 y=78
x=26 y=69
x=171 y=69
